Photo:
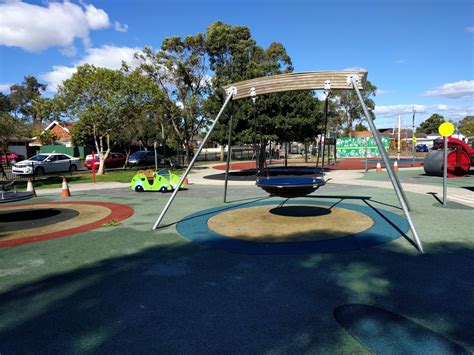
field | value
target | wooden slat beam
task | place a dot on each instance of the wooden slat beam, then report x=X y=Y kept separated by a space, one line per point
x=297 y=81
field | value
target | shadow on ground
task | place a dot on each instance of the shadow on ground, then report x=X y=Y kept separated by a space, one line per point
x=182 y=298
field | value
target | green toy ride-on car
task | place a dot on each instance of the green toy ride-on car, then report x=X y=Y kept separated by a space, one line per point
x=149 y=180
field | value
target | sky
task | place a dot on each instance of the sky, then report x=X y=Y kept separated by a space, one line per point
x=419 y=53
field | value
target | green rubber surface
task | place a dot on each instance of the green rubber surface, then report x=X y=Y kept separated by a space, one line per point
x=127 y=289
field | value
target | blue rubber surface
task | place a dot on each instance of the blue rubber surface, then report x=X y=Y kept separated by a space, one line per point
x=387 y=227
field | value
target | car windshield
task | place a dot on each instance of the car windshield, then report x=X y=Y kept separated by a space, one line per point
x=139 y=154
x=39 y=157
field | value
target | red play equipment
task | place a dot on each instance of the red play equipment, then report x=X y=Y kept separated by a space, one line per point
x=460 y=159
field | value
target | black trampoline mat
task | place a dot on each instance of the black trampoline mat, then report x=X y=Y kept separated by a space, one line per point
x=11 y=221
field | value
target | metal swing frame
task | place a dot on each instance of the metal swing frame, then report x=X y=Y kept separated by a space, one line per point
x=345 y=80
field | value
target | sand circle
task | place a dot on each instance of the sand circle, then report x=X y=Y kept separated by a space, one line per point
x=289 y=223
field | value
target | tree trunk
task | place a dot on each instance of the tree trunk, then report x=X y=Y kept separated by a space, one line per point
x=127 y=154
x=223 y=152
x=261 y=157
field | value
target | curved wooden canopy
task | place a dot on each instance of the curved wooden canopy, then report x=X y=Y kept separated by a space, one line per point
x=297 y=81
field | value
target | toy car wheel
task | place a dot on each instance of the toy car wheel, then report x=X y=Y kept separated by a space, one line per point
x=139 y=188
x=163 y=189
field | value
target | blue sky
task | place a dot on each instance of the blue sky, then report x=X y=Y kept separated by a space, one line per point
x=418 y=53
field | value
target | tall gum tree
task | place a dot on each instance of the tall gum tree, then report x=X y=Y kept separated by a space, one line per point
x=235 y=56
x=180 y=69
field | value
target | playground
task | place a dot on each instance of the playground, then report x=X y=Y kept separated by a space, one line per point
x=192 y=286
x=326 y=260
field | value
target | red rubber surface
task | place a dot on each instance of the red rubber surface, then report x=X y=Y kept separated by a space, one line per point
x=118 y=212
x=343 y=164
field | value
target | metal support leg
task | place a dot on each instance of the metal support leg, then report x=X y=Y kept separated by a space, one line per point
x=229 y=154
x=396 y=184
x=230 y=93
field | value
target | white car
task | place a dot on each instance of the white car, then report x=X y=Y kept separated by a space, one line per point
x=46 y=163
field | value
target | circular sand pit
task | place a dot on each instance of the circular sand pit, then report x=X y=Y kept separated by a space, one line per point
x=28 y=223
x=301 y=226
x=294 y=223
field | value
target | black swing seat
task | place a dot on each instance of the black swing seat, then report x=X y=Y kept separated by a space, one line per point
x=290 y=186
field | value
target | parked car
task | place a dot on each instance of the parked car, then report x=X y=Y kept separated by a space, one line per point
x=11 y=157
x=143 y=158
x=422 y=148
x=114 y=160
x=46 y=163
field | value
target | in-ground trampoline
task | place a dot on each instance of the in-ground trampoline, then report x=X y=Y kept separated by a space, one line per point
x=296 y=226
x=28 y=223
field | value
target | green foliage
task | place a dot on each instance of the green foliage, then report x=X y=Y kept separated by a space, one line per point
x=235 y=56
x=10 y=126
x=26 y=99
x=349 y=107
x=108 y=106
x=466 y=126
x=360 y=127
x=431 y=124
x=180 y=70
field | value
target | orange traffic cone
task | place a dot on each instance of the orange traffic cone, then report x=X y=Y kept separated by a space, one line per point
x=395 y=166
x=65 y=189
x=186 y=182
x=378 y=169
x=30 y=188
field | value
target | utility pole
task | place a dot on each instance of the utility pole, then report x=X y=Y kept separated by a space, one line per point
x=399 y=136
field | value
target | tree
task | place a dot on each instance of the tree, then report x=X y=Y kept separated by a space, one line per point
x=26 y=99
x=180 y=69
x=349 y=107
x=104 y=102
x=431 y=124
x=466 y=126
x=10 y=126
x=234 y=56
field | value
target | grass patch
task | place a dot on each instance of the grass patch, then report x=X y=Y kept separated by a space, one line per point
x=46 y=182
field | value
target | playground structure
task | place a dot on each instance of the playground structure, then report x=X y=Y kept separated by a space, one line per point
x=149 y=180
x=460 y=159
x=326 y=80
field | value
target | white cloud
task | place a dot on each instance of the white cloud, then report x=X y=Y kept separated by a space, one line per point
x=451 y=112
x=5 y=88
x=393 y=110
x=458 y=90
x=110 y=57
x=384 y=92
x=119 y=27
x=36 y=28
x=470 y=29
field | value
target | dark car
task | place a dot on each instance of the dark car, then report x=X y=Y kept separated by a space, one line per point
x=422 y=148
x=11 y=157
x=143 y=158
x=114 y=160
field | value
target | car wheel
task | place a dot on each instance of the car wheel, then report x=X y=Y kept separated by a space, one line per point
x=139 y=188
x=39 y=171
x=163 y=189
x=72 y=168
